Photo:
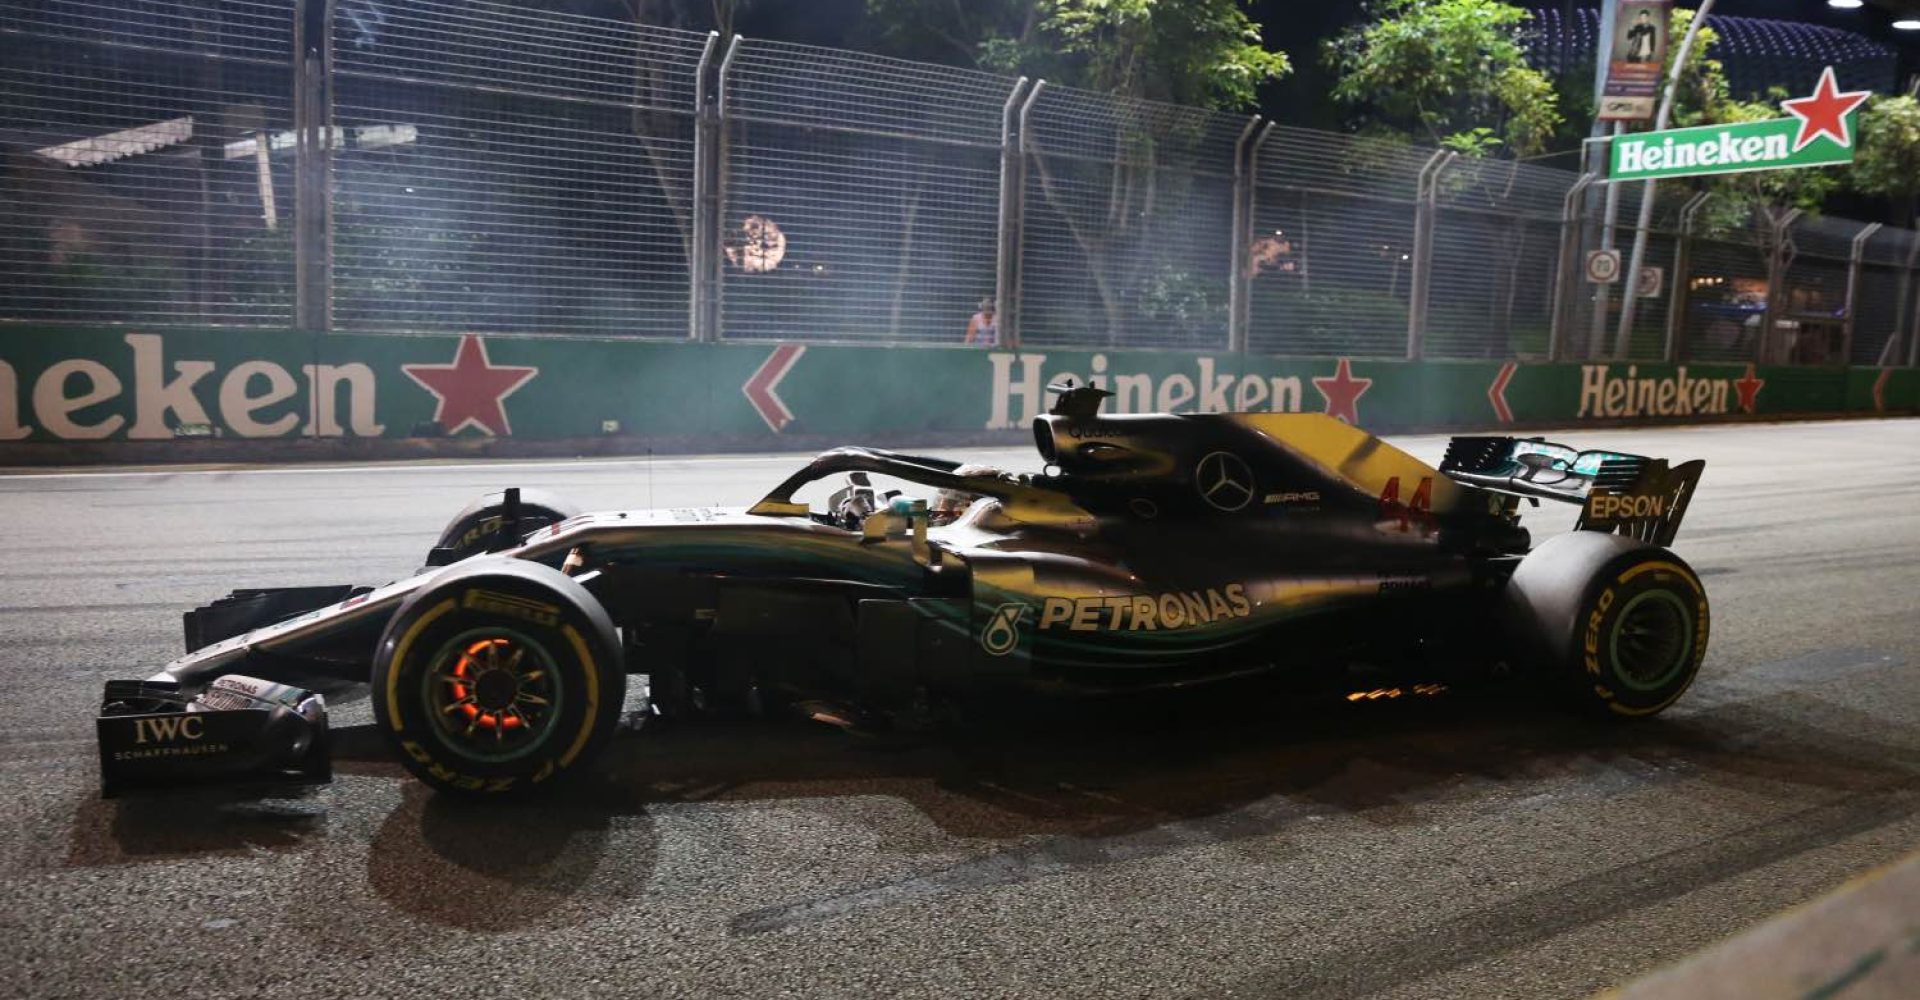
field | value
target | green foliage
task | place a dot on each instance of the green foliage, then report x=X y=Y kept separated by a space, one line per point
x=1205 y=52
x=1447 y=67
x=1478 y=142
x=1886 y=156
x=1182 y=303
x=1703 y=94
x=1766 y=191
x=1186 y=51
x=999 y=35
x=1327 y=320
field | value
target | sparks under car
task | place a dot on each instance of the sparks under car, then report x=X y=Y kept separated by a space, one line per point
x=1153 y=551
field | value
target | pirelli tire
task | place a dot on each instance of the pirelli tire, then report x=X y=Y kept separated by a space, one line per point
x=1618 y=626
x=482 y=526
x=498 y=678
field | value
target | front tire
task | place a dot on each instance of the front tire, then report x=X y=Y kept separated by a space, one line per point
x=1617 y=625
x=482 y=525
x=498 y=678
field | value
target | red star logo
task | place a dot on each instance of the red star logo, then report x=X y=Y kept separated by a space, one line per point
x=472 y=389
x=1343 y=392
x=1825 y=113
x=1749 y=386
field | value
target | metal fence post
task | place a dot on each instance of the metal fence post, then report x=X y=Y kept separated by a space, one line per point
x=1600 y=149
x=701 y=233
x=317 y=87
x=1237 y=240
x=1013 y=189
x=1854 y=260
x=1776 y=282
x=310 y=290
x=1566 y=280
x=303 y=206
x=1243 y=259
x=1913 y=331
x=712 y=271
x=1681 y=282
x=1426 y=195
x=1010 y=310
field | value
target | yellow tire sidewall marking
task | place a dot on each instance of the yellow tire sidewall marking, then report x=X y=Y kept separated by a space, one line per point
x=592 y=672
x=400 y=650
x=1699 y=625
x=1659 y=564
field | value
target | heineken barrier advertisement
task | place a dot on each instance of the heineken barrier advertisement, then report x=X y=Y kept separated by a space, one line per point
x=125 y=385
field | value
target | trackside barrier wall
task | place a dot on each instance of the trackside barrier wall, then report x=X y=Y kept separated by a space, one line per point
x=109 y=387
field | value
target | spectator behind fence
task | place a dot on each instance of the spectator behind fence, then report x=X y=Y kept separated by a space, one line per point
x=982 y=326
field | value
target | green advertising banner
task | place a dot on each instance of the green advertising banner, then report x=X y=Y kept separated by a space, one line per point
x=1720 y=149
x=1818 y=131
x=126 y=385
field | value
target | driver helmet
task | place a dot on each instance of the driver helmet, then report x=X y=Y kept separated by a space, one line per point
x=949 y=504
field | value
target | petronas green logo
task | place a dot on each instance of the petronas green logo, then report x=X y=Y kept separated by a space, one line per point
x=1002 y=634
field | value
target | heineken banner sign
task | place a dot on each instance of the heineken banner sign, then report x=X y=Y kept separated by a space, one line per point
x=1818 y=131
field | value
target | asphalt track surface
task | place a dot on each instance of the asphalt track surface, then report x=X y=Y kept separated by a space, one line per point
x=1455 y=846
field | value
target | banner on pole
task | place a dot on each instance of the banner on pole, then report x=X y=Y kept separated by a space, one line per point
x=1635 y=56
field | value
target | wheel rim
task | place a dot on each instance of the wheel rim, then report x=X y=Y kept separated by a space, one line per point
x=493 y=694
x=1652 y=640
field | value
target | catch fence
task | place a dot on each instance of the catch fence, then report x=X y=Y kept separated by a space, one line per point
x=431 y=165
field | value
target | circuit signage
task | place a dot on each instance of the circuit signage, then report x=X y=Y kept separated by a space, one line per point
x=1819 y=130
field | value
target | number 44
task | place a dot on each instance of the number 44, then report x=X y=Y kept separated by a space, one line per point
x=1417 y=508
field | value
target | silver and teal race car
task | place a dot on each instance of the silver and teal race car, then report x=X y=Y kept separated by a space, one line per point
x=1153 y=551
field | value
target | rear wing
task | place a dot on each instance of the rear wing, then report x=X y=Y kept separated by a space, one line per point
x=1632 y=495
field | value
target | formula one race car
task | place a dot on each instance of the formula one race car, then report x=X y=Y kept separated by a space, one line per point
x=1153 y=551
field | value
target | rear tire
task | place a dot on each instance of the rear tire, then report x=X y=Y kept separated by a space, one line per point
x=499 y=677
x=1618 y=626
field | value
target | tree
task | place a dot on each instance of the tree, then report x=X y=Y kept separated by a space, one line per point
x=978 y=34
x=1203 y=52
x=1886 y=164
x=1451 y=71
x=1765 y=194
x=653 y=123
x=1194 y=52
x=1886 y=158
x=1703 y=92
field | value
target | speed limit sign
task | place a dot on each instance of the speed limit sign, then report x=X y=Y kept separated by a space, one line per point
x=1603 y=266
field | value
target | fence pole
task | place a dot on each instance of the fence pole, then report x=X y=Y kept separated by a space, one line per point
x=320 y=121
x=1237 y=240
x=303 y=164
x=712 y=269
x=1854 y=260
x=700 y=242
x=1682 y=282
x=1013 y=184
x=310 y=286
x=1243 y=260
x=1776 y=282
x=1565 y=280
x=1010 y=311
x=1425 y=193
x=1603 y=294
x=1913 y=330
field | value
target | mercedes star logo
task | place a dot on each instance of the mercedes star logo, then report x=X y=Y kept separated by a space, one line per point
x=1224 y=480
